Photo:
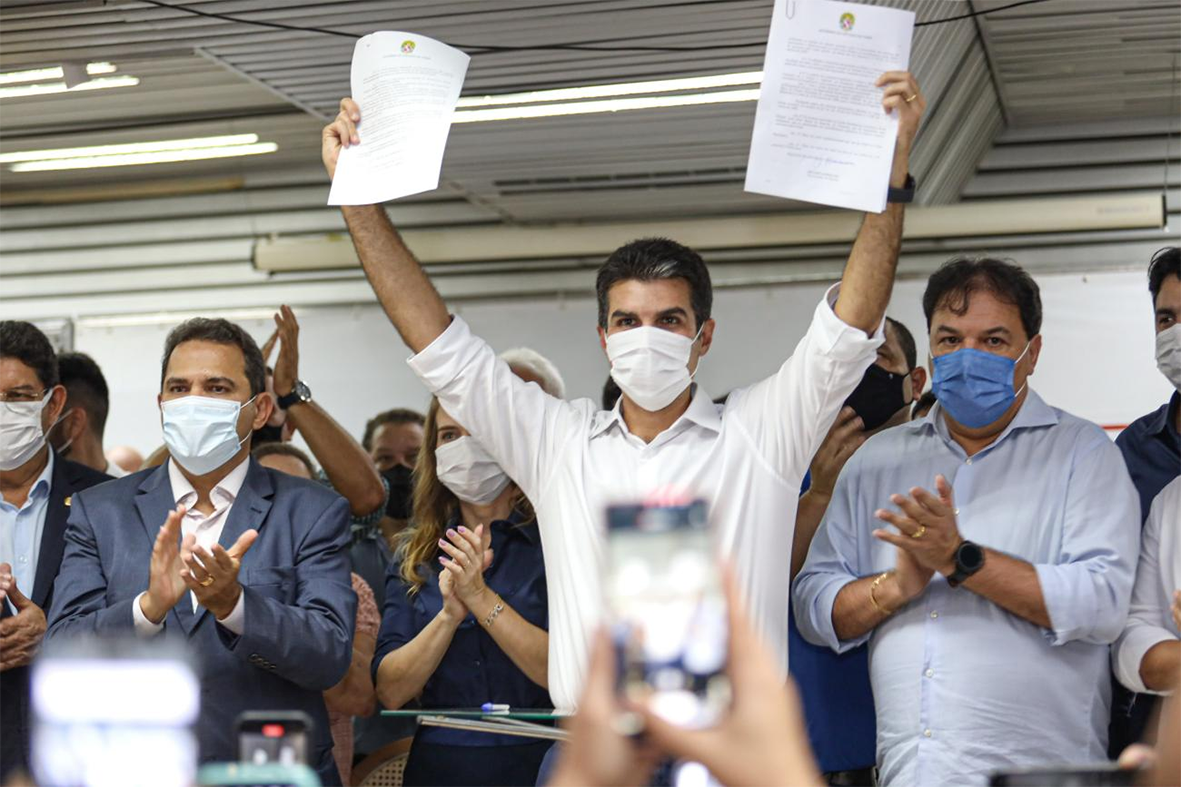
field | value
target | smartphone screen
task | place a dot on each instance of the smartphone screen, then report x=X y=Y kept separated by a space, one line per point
x=666 y=610
x=114 y=713
x=279 y=737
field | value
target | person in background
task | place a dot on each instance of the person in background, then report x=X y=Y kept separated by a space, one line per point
x=533 y=367
x=1021 y=555
x=37 y=486
x=923 y=406
x=834 y=688
x=78 y=433
x=1147 y=657
x=125 y=458
x=354 y=695
x=465 y=612
x=611 y=393
x=1151 y=446
x=394 y=437
x=246 y=565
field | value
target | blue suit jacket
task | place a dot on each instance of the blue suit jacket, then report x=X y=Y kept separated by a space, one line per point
x=68 y=478
x=300 y=609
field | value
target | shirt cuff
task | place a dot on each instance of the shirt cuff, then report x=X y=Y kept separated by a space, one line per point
x=837 y=338
x=235 y=622
x=143 y=627
x=1130 y=651
x=1071 y=604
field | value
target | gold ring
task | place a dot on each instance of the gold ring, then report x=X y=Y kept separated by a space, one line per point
x=920 y=532
x=912 y=98
x=206 y=582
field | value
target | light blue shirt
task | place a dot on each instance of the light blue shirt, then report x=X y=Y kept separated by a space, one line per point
x=21 y=529
x=963 y=688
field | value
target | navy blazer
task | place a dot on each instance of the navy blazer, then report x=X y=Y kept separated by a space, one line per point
x=300 y=609
x=68 y=478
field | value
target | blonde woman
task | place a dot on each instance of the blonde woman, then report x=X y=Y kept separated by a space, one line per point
x=465 y=613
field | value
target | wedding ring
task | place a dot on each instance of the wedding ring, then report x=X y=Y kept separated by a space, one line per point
x=209 y=581
x=920 y=532
x=912 y=98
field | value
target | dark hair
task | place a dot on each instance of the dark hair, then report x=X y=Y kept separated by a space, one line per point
x=86 y=388
x=25 y=342
x=399 y=415
x=924 y=402
x=284 y=449
x=218 y=331
x=906 y=342
x=649 y=259
x=955 y=281
x=1166 y=262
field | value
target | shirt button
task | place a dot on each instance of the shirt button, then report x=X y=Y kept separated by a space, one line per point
x=969 y=462
x=23 y=559
x=930 y=673
x=934 y=615
x=927 y=733
x=956 y=511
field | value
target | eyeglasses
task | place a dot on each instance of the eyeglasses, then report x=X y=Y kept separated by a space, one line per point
x=22 y=396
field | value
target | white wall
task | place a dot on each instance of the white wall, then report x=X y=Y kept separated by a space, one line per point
x=1097 y=361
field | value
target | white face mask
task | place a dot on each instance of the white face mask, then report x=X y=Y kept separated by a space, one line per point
x=21 y=435
x=466 y=469
x=1168 y=354
x=201 y=432
x=651 y=365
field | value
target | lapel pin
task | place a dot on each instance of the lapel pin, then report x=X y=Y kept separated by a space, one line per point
x=68 y=499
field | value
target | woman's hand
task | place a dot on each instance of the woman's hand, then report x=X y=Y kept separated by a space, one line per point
x=454 y=610
x=470 y=554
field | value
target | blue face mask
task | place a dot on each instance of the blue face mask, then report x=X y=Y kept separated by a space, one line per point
x=201 y=432
x=974 y=386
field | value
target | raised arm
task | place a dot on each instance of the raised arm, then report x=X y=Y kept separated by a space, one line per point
x=869 y=273
x=345 y=462
x=407 y=295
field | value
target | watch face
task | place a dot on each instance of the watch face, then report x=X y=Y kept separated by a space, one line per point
x=302 y=391
x=970 y=556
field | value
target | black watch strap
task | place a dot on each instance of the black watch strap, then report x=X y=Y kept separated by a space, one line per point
x=969 y=558
x=904 y=194
x=299 y=393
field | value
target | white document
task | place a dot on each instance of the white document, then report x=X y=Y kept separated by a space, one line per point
x=820 y=133
x=407 y=86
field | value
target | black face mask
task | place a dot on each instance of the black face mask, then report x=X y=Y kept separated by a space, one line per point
x=401 y=481
x=878 y=396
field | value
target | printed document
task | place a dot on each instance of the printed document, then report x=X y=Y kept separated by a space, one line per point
x=407 y=86
x=821 y=134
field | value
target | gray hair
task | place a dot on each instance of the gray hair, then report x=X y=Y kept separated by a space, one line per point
x=539 y=366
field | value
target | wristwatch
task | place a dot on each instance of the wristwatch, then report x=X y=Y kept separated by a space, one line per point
x=969 y=558
x=299 y=393
x=904 y=194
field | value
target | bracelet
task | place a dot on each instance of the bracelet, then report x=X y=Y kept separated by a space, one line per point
x=873 y=590
x=496 y=610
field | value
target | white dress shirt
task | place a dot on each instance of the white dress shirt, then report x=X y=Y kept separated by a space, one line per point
x=746 y=459
x=1158 y=575
x=207 y=531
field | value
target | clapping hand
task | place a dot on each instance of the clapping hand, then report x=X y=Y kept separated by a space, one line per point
x=927 y=527
x=165 y=584
x=844 y=438
x=212 y=575
x=287 y=364
x=470 y=554
x=20 y=634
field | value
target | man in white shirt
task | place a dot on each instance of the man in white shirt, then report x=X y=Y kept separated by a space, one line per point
x=747 y=460
x=1147 y=656
x=247 y=565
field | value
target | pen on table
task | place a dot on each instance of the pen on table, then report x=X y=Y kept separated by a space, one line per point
x=494 y=707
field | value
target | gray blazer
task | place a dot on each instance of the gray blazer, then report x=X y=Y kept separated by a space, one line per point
x=300 y=609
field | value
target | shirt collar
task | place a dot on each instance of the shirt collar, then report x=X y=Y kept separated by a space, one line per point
x=45 y=480
x=1161 y=421
x=701 y=411
x=1034 y=412
x=226 y=491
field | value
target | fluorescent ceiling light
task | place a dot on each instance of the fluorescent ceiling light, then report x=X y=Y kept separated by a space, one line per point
x=21 y=91
x=132 y=147
x=611 y=105
x=56 y=72
x=157 y=157
x=621 y=89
